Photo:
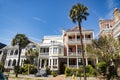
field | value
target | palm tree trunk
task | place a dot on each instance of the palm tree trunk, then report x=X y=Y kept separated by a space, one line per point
x=18 y=62
x=82 y=48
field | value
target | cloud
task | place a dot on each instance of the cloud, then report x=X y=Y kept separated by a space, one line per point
x=111 y=4
x=34 y=39
x=39 y=19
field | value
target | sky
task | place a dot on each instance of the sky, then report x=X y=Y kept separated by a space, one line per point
x=39 y=18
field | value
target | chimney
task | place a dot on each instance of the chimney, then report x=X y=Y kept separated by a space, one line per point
x=116 y=14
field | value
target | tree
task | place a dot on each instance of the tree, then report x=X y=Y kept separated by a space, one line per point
x=31 y=54
x=21 y=40
x=107 y=49
x=77 y=14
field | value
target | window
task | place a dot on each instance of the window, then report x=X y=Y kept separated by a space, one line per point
x=50 y=50
x=11 y=53
x=54 y=61
x=79 y=50
x=44 y=50
x=16 y=52
x=55 y=50
x=107 y=25
x=70 y=37
x=9 y=62
x=70 y=49
x=60 y=50
x=52 y=41
x=14 y=62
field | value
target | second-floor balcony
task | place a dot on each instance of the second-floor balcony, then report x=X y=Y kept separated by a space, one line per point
x=77 y=41
x=74 y=54
x=44 y=53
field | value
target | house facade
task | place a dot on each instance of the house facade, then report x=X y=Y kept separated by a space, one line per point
x=111 y=26
x=55 y=52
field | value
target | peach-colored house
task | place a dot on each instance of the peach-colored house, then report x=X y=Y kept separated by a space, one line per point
x=111 y=26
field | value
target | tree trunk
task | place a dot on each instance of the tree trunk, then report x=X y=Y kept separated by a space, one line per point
x=18 y=62
x=82 y=48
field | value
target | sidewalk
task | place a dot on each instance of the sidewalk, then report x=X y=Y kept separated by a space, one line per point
x=59 y=77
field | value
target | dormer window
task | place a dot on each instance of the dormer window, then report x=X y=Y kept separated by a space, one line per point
x=52 y=42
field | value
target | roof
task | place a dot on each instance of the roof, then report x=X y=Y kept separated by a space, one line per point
x=75 y=28
x=2 y=45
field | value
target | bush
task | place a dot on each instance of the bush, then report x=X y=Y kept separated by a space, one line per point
x=68 y=71
x=102 y=67
x=90 y=70
x=53 y=73
x=24 y=69
x=48 y=71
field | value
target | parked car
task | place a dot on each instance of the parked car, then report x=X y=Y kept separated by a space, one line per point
x=3 y=77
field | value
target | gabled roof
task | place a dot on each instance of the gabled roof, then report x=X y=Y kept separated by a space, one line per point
x=75 y=28
x=2 y=45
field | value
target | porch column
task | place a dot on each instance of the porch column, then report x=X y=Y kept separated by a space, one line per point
x=40 y=63
x=51 y=63
x=77 y=63
x=68 y=62
x=96 y=60
x=86 y=61
x=67 y=50
x=76 y=50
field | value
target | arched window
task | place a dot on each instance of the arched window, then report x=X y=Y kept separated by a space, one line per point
x=16 y=52
x=14 y=62
x=9 y=62
x=11 y=53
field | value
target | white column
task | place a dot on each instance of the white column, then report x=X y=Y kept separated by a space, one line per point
x=77 y=63
x=86 y=61
x=96 y=60
x=76 y=50
x=75 y=37
x=67 y=50
x=51 y=63
x=68 y=62
x=40 y=63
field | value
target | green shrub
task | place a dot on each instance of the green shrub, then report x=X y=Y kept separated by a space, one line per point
x=24 y=69
x=48 y=71
x=90 y=70
x=68 y=71
x=53 y=73
x=102 y=67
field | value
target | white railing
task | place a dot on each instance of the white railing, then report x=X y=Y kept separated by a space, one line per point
x=75 y=54
x=46 y=53
x=73 y=66
x=86 y=40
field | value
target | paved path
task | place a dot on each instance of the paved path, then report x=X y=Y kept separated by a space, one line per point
x=59 y=77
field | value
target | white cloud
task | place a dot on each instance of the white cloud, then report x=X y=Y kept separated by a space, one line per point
x=34 y=39
x=111 y=4
x=39 y=19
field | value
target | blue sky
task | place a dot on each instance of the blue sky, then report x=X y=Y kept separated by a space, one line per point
x=37 y=18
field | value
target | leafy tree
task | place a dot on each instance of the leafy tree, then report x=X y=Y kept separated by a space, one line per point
x=21 y=40
x=31 y=54
x=77 y=14
x=107 y=49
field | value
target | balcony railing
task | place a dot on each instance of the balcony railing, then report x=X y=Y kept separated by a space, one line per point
x=74 y=54
x=46 y=53
x=86 y=40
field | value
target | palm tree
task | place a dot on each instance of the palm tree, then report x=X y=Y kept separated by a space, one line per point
x=77 y=14
x=21 y=40
x=31 y=54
